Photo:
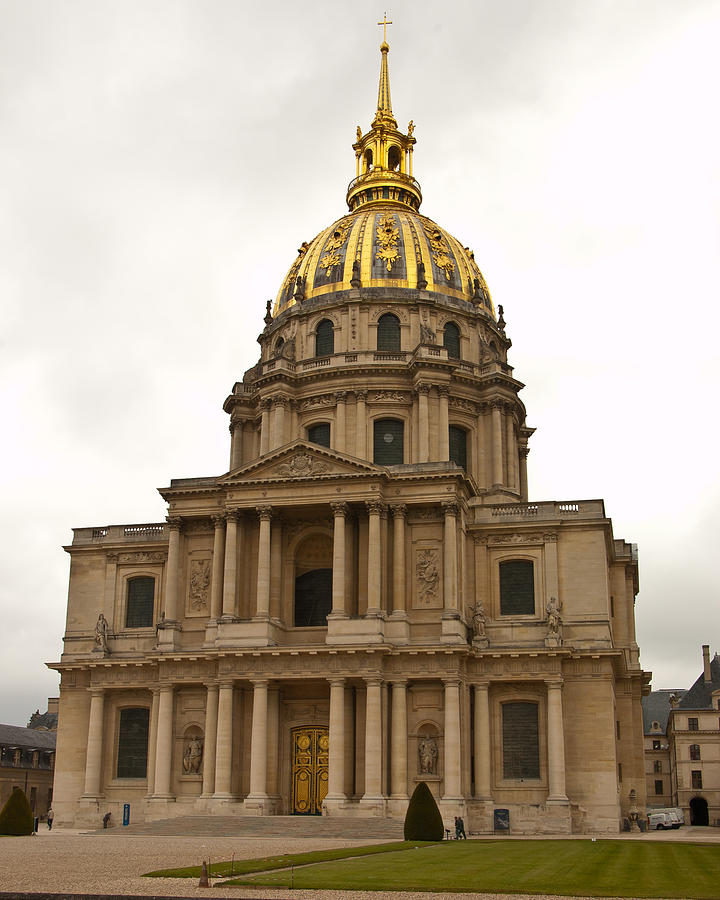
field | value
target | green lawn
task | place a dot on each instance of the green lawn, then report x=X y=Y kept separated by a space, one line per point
x=585 y=868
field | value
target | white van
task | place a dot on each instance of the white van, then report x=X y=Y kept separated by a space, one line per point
x=676 y=815
x=659 y=819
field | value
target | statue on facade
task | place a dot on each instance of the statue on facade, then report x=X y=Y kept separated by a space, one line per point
x=192 y=759
x=554 y=622
x=428 y=755
x=102 y=629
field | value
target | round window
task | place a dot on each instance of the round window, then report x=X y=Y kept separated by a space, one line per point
x=388 y=438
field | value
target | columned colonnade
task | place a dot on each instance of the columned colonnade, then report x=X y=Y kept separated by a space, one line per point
x=218 y=748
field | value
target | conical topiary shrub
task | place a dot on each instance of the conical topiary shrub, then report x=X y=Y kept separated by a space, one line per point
x=423 y=821
x=16 y=816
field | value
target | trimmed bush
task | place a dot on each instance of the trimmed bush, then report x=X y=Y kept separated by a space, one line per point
x=423 y=821
x=16 y=816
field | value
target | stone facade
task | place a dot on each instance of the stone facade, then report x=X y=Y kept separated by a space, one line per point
x=366 y=598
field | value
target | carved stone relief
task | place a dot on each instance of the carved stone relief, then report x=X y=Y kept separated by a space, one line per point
x=427 y=579
x=142 y=556
x=427 y=756
x=301 y=465
x=199 y=586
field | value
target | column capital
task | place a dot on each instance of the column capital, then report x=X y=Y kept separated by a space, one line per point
x=232 y=515
x=422 y=389
x=265 y=513
x=218 y=520
x=451 y=681
x=481 y=685
x=211 y=686
x=399 y=510
x=260 y=682
x=280 y=400
x=554 y=684
x=227 y=682
x=265 y=403
x=336 y=681
x=376 y=507
x=480 y=539
x=361 y=395
x=340 y=396
x=166 y=688
x=373 y=681
x=451 y=508
x=443 y=390
x=340 y=509
x=174 y=522
x=398 y=682
x=96 y=691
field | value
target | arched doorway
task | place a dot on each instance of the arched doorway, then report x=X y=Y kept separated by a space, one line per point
x=313 y=582
x=309 y=770
x=699 y=811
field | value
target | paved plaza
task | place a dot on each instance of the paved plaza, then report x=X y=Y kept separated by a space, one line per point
x=65 y=861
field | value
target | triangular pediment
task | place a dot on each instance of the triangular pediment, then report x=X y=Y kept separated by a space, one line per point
x=301 y=461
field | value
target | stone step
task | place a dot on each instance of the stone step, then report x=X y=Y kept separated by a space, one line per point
x=366 y=829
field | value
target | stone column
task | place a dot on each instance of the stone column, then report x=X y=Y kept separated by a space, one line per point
x=210 y=745
x=223 y=750
x=399 y=761
x=360 y=425
x=278 y=431
x=236 y=441
x=262 y=608
x=173 y=569
x=453 y=789
x=556 y=743
x=258 y=745
x=293 y=420
x=482 y=742
x=273 y=720
x=336 y=774
x=218 y=566
x=510 y=451
x=340 y=511
x=265 y=427
x=523 y=474
x=340 y=440
x=443 y=424
x=152 y=741
x=230 y=567
x=163 y=758
x=375 y=509
x=276 y=574
x=373 y=740
x=399 y=511
x=450 y=566
x=481 y=446
x=423 y=391
x=497 y=462
x=93 y=757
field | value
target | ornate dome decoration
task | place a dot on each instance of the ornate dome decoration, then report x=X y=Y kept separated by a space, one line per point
x=383 y=242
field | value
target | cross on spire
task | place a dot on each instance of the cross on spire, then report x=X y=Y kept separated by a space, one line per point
x=385 y=22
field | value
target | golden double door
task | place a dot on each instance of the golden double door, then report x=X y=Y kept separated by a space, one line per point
x=309 y=770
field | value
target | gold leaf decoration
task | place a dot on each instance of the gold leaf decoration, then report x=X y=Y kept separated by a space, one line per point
x=440 y=250
x=388 y=235
x=333 y=244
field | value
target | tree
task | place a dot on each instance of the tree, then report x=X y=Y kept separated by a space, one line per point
x=16 y=816
x=423 y=821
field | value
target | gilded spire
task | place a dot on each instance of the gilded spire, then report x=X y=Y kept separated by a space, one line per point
x=384 y=112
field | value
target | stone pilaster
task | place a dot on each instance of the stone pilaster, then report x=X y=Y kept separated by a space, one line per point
x=210 y=746
x=340 y=511
x=399 y=513
x=556 y=743
x=262 y=607
x=336 y=774
x=173 y=570
x=375 y=509
x=152 y=741
x=163 y=754
x=223 y=751
x=218 y=566
x=482 y=742
x=230 y=565
x=93 y=757
x=360 y=425
x=423 y=391
x=257 y=797
x=443 y=423
x=399 y=758
x=340 y=437
x=453 y=785
x=373 y=743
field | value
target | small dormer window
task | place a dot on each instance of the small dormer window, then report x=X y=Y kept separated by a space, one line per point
x=394 y=158
x=368 y=160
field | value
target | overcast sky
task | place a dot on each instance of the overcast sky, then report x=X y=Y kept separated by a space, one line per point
x=161 y=161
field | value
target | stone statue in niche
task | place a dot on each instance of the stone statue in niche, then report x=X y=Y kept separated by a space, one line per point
x=428 y=576
x=102 y=629
x=554 y=623
x=192 y=758
x=427 y=335
x=199 y=583
x=427 y=755
x=479 y=621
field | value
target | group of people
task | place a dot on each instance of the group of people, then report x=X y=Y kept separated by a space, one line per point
x=460 y=829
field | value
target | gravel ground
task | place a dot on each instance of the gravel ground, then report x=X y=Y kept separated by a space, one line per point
x=64 y=861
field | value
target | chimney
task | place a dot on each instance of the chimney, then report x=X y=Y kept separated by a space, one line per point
x=706 y=663
x=53 y=704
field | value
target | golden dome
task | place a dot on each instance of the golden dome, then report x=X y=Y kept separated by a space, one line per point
x=384 y=242
x=384 y=245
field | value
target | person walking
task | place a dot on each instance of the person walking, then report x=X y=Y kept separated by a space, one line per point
x=460 y=828
x=106 y=820
x=50 y=817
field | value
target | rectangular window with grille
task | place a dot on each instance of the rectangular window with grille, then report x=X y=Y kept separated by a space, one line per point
x=659 y=786
x=696 y=776
x=388 y=442
x=458 y=446
x=517 y=588
x=692 y=723
x=133 y=743
x=140 y=602
x=657 y=766
x=521 y=746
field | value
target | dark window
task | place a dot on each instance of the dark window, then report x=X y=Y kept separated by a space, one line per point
x=140 y=602
x=694 y=751
x=692 y=724
x=659 y=786
x=517 y=588
x=657 y=765
x=521 y=746
x=388 y=332
x=394 y=158
x=656 y=745
x=278 y=346
x=620 y=773
x=324 y=338
x=451 y=340
x=612 y=607
x=133 y=743
x=320 y=434
x=458 y=446
x=617 y=730
x=388 y=442
x=696 y=775
x=313 y=598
